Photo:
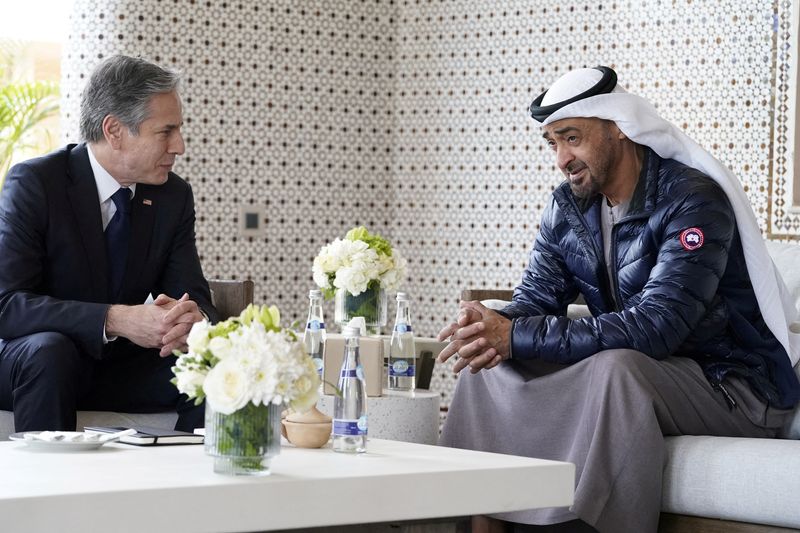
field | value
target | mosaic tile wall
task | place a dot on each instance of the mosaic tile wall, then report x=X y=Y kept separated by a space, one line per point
x=287 y=107
x=784 y=221
x=410 y=117
x=470 y=165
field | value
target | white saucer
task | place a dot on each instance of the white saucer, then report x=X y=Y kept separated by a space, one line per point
x=56 y=445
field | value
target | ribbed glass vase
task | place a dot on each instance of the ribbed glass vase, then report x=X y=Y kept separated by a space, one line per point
x=244 y=442
x=370 y=304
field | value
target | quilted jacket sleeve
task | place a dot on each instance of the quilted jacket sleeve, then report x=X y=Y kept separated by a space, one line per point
x=547 y=287
x=676 y=293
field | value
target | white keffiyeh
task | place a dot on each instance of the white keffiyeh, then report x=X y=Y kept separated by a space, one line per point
x=641 y=123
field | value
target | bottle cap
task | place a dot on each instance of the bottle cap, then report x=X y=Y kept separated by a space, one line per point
x=351 y=332
x=314 y=293
x=402 y=296
x=358 y=323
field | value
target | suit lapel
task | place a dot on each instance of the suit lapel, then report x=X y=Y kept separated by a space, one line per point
x=143 y=214
x=82 y=192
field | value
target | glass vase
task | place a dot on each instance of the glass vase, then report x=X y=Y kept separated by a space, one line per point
x=370 y=304
x=244 y=442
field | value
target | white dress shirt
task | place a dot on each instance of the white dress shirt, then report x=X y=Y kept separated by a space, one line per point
x=106 y=187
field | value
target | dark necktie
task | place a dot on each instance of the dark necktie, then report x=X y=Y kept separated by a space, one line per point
x=118 y=233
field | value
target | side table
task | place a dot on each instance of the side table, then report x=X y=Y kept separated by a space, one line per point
x=399 y=415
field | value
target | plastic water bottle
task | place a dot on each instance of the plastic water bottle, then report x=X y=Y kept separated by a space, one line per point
x=402 y=354
x=314 y=336
x=350 y=411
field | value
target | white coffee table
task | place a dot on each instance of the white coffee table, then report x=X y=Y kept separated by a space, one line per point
x=123 y=488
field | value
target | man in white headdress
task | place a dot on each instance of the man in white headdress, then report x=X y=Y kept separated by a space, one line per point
x=689 y=328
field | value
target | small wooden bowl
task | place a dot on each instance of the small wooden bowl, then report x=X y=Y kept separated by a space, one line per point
x=311 y=429
x=302 y=435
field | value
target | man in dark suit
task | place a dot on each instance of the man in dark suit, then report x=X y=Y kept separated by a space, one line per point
x=87 y=235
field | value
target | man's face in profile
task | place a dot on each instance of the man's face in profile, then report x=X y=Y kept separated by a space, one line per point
x=147 y=157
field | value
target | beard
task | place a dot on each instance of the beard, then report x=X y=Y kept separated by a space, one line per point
x=588 y=176
x=585 y=182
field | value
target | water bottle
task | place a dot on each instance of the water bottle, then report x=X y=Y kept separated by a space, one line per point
x=350 y=410
x=314 y=336
x=402 y=355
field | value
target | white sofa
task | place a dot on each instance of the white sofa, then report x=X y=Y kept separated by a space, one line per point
x=756 y=481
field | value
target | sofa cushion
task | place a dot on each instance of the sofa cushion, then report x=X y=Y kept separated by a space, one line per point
x=748 y=480
x=102 y=418
x=786 y=257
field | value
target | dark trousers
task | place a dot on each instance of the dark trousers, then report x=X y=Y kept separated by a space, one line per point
x=45 y=379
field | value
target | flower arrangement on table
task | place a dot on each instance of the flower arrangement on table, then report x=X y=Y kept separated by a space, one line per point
x=246 y=368
x=358 y=269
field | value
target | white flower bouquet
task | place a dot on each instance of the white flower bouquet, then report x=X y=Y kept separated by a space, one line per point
x=359 y=262
x=244 y=360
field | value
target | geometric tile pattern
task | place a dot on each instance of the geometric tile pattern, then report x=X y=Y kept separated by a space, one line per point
x=470 y=167
x=287 y=105
x=411 y=118
x=784 y=219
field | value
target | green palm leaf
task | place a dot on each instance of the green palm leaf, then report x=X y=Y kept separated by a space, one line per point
x=23 y=105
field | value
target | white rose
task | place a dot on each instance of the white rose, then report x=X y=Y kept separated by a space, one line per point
x=331 y=256
x=319 y=274
x=352 y=279
x=189 y=381
x=220 y=347
x=393 y=277
x=345 y=251
x=306 y=392
x=198 y=336
x=227 y=387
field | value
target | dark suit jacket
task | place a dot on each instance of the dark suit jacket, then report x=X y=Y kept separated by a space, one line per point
x=53 y=264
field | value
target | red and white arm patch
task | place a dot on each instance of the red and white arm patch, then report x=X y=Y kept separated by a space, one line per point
x=692 y=238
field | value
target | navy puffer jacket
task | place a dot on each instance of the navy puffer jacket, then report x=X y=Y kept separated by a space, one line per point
x=682 y=284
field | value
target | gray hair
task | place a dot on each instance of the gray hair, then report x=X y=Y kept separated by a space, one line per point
x=122 y=86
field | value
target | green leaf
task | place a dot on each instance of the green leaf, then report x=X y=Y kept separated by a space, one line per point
x=373 y=240
x=23 y=106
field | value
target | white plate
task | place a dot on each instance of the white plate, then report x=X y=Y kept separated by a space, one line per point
x=56 y=445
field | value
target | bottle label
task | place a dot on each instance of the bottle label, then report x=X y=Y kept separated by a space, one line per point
x=401 y=368
x=402 y=328
x=350 y=427
x=350 y=373
x=315 y=325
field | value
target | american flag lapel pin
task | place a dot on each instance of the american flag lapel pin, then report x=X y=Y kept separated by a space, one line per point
x=147 y=201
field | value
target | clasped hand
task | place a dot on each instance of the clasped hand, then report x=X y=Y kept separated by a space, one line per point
x=164 y=325
x=480 y=337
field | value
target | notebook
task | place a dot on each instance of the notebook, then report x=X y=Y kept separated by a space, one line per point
x=149 y=436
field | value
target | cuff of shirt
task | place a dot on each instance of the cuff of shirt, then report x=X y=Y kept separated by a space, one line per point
x=106 y=338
